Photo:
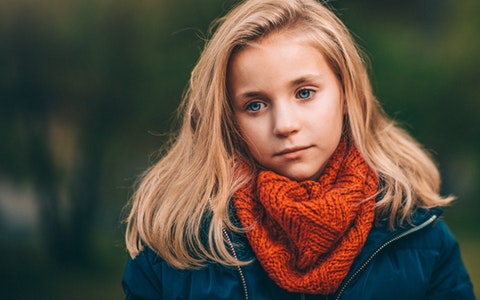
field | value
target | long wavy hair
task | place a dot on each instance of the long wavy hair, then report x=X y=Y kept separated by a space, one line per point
x=180 y=206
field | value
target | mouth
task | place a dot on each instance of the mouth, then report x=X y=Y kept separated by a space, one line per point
x=292 y=152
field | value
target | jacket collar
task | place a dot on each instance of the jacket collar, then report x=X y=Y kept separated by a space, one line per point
x=381 y=234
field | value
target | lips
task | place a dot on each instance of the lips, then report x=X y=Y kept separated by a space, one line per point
x=292 y=152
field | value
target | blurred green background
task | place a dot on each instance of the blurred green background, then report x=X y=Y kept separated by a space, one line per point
x=89 y=87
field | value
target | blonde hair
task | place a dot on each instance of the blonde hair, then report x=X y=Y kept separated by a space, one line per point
x=181 y=204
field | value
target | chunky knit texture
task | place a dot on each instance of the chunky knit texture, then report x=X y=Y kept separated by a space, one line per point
x=307 y=234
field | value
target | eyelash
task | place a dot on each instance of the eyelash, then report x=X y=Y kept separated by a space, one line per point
x=310 y=92
x=249 y=106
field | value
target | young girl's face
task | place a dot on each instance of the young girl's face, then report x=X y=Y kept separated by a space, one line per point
x=288 y=105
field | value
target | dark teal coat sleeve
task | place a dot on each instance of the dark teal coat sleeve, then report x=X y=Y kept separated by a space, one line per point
x=449 y=278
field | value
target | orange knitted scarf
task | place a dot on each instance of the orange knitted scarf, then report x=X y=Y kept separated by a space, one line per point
x=307 y=234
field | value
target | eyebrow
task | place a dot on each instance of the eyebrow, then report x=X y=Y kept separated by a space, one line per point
x=250 y=94
x=292 y=83
x=306 y=78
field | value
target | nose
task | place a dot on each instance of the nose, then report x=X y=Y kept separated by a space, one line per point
x=285 y=120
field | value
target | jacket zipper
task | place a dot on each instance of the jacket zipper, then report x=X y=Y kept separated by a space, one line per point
x=362 y=267
x=234 y=253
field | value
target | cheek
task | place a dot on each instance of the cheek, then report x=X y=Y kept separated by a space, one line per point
x=253 y=138
x=245 y=127
x=243 y=132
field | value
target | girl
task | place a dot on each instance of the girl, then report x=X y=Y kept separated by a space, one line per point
x=287 y=180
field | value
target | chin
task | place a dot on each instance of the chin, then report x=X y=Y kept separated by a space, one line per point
x=300 y=177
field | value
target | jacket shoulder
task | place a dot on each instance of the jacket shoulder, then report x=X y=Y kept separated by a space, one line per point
x=148 y=276
x=419 y=262
x=142 y=278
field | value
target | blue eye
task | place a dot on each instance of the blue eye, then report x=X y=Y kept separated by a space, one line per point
x=255 y=106
x=304 y=94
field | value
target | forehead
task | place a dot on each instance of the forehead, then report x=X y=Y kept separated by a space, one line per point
x=269 y=40
x=275 y=60
x=269 y=47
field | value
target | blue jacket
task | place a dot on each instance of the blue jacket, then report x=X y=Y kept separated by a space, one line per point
x=415 y=262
